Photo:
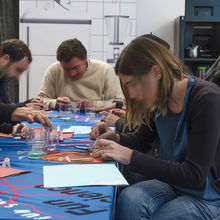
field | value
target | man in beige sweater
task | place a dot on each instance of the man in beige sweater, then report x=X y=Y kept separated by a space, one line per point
x=77 y=78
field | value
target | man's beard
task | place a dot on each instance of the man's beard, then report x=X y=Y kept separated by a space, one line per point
x=4 y=72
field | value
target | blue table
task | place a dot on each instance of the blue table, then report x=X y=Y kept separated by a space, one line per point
x=24 y=197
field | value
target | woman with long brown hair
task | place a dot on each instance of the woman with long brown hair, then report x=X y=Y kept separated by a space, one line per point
x=184 y=113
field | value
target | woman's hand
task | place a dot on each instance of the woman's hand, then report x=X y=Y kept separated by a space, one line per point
x=109 y=118
x=20 y=128
x=106 y=108
x=103 y=131
x=119 y=112
x=111 y=150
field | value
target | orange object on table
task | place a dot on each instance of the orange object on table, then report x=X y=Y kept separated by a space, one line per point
x=6 y=171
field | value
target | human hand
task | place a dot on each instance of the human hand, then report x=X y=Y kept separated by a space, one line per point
x=30 y=115
x=111 y=150
x=103 y=131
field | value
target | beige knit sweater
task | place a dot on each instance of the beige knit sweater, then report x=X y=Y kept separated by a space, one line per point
x=98 y=83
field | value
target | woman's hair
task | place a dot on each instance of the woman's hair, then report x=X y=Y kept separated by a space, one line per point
x=137 y=60
x=157 y=39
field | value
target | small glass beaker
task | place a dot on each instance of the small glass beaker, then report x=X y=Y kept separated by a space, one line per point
x=37 y=140
x=90 y=109
x=75 y=109
x=53 y=139
x=53 y=142
x=65 y=111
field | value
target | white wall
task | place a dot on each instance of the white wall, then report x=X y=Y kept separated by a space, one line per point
x=158 y=16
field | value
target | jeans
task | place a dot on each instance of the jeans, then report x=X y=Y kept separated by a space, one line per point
x=156 y=200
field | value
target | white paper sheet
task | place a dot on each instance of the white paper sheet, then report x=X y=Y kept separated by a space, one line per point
x=82 y=175
x=78 y=129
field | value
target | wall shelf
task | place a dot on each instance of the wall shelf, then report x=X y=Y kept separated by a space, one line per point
x=200 y=60
x=203 y=32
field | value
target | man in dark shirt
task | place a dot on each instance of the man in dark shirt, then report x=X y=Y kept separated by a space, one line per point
x=15 y=58
x=10 y=113
x=10 y=66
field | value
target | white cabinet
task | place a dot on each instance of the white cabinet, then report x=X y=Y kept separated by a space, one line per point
x=43 y=37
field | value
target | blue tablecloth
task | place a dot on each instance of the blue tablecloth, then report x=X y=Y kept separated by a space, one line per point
x=24 y=197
